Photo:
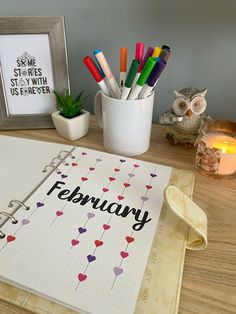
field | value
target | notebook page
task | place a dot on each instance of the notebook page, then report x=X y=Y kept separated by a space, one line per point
x=86 y=238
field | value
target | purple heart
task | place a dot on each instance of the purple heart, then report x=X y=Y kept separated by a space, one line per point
x=82 y=230
x=153 y=175
x=122 y=160
x=90 y=215
x=39 y=204
x=131 y=175
x=99 y=159
x=117 y=271
x=144 y=198
x=25 y=221
x=64 y=176
x=91 y=258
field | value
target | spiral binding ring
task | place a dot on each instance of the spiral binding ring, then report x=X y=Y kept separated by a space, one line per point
x=52 y=166
x=59 y=158
x=2 y=234
x=13 y=219
x=11 y=204
x=65 y=151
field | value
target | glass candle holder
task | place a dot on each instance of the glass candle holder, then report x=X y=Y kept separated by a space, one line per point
x=216 y=149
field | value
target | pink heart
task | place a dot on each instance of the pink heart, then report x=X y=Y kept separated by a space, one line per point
x=10 y=238
x=120 y=197
x=91 y=168
x=124 y=254
x=111 y=178
x=117 y=169
x=83 y=153
x=126 y=185
x=106 y=227
x=84 y=179
x=59 y=213
x=74 y=164
x=136 y=166
x=105 y=190
x=148 y=187
x=82 y=277
x=74 y=242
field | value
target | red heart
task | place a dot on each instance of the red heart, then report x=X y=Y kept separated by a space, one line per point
x=98 y=243
x=74 y=164
x=106 y=227
x=59 y=213
x=82 y=277
x=10 y=238
x=111 y=178
x=126 y=185
x=84 y=179
x=91 y=168
x=129 y=239
x=117 y=169
x=120 y=197
x=105 y=190
x=148 y=187
x=74 y=242
x=124 y=254
x=136 y=166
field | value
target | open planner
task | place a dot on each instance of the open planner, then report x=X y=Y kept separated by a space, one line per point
x=80 y=223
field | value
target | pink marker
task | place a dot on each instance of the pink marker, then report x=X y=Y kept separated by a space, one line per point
x=139 y=56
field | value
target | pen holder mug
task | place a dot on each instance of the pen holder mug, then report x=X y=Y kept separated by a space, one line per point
x=126 y=123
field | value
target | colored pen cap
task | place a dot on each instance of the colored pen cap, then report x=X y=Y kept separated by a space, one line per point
x=146 y=71
x=165 y=47
x=165 y=55
x=132 y=73
x=148 y=54
x=98 y=66
x=92 y=68
x=139 y=54
x=156 y=52
x=103 y=63
x=156 y=72
x=123 y=59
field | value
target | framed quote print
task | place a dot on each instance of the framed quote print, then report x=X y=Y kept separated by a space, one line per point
x=33 y=62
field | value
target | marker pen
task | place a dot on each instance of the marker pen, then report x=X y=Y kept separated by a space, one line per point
x=148 y=54
x=130 y=78
x=165 y=55
x=123 y=64
x=113 y=86
x=139 y=56
x=142 y=78
x=165 y=47
x=96 y=74
x=152 y=79
x=156 y=52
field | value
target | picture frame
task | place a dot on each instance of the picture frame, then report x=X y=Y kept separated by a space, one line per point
x=33 y=62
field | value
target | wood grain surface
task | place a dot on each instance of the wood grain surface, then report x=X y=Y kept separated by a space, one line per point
x=209 y=279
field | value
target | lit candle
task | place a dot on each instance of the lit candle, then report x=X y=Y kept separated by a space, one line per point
x=224 y=147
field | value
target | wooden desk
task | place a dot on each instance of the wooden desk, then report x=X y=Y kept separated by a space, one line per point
x=209 y=279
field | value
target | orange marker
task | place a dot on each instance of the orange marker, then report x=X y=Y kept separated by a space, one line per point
x=123 y=65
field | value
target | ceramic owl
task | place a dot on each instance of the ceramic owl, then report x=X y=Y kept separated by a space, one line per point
x=186 y=116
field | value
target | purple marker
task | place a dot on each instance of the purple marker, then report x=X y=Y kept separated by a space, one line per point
x=147 y=55
x=153 y=79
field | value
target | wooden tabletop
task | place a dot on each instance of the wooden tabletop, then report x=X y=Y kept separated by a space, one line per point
x=209 y=279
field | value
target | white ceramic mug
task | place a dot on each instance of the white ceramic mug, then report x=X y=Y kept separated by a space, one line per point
x=126 y=123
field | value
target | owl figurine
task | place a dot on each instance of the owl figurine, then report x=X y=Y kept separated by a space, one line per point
x=185 y=117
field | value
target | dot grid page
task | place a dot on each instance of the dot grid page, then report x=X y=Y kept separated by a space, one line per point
x=86 y=238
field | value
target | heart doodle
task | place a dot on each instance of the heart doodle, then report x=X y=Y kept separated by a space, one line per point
x=129 y=239
x=39 y=204
x=122 y=160
x=149 y=187
x=126 y=185
x=82 y=230
x=105 y=190
x=25 y=222
x=84 y=179
x=59 y=213
x=82 y=277
x=74 y=242
x=111 y=179
x=90 y=215
x=124 y=254
x=91 y=258
x=99 y=159
x=117 y=271
x=91 y=168
x=131 y=175
x=74 y=164
x=10 y=238
x=106 y=226
x=98 y=243
x=153 y=175
x=136 y=166
x=117 y=169
x=64 y=176
x=120 y=197
x=144 y=198
x=83 y=153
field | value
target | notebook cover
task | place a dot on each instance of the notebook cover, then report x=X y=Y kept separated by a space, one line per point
x=161 y=285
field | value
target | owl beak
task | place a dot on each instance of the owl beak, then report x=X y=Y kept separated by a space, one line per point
x=189 y=113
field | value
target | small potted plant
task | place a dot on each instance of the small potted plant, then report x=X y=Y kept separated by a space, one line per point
x=71 y=121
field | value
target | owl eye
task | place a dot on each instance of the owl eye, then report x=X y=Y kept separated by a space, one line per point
x=196 y=104
x=182 y=105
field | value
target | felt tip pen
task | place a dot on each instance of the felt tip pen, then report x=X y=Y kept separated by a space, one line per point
x=156 y=52
x=111 y=82
x=142 y=79
x=165 y=47
x=139 y=54
x=148 y=54
x=165 y=55
x=96 y=74
x=129 y=79
x=123 y=65
x=152 y=79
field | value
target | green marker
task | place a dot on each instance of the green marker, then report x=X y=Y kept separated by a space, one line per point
x=142 y=78
x=130 y=78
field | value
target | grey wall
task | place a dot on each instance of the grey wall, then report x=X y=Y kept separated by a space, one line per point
x=202 y=35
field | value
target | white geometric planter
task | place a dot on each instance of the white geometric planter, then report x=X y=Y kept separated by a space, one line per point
x=73 y=128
